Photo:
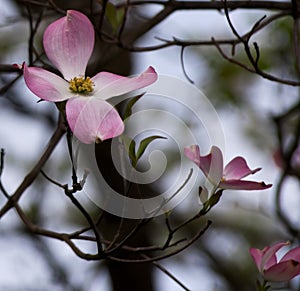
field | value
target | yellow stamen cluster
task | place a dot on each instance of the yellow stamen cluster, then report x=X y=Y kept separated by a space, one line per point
x=81 y=85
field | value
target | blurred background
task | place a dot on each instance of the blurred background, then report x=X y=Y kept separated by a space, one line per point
x=260 y=120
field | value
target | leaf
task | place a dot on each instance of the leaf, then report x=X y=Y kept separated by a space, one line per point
x=131 y=152
x=144 y=144
x=114 y=15
x=214 y=199
x=120 y=16
x=128 y=109
x=130 y=148
x=203 y=194
x=211 y=202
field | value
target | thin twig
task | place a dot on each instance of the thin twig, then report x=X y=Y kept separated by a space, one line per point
x=123 y=24
x=2 y=188
x=164 y=256
x=168 y=273
x=251 y=70
x=253 y=61
x=89 y=220
x=183 y=66
x=52 y=180
x=33 y=30
x=70 y=194
x=52 y=234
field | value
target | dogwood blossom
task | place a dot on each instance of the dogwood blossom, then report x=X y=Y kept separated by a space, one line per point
x=273 y=269
x=224 y=178
x=69 y=43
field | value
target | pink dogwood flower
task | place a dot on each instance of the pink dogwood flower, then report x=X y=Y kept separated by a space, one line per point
x=69 y=43
x=272 y=269
x=224 y=178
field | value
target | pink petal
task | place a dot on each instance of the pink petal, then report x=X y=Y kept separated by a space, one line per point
x=193 y=153
x=237 y=169
x=212 y=165
x=109 y=85
x=205 y=163
x=91 y=119
x=266 y=257
x=283 y=271
x=243 y=185
x=269 y=255
x=69 y=43
x=257 y=256
x=46 y=85
x=293 y=254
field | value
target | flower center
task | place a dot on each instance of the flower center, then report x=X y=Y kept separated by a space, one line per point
x=81 y=85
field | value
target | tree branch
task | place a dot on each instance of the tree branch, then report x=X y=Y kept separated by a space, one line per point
x=216 y=5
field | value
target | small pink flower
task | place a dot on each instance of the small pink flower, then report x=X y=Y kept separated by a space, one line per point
x=228 y=178
x=272 y=269
x=69 y=43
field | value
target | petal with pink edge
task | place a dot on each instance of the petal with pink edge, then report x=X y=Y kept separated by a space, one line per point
x=205 y=163
x=212 y=165
x=243 y=185
x=266 y=257
x=46 y=85
x=193 y=153
x=283 y=271
x=108 y=85
x=69 y=43
x=257 y=256
x=293 y=254
x=269 y=257
x=237 y=169
x=92 y=119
